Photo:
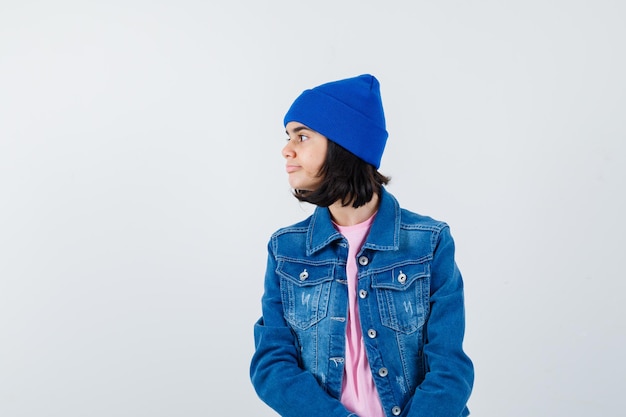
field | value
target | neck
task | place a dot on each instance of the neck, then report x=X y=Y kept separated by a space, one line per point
x=349 y=216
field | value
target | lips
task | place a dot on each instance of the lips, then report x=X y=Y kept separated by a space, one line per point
x=291 y=168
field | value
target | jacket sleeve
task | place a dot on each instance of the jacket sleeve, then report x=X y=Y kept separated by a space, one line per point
x=449 y=371
x=276 y=376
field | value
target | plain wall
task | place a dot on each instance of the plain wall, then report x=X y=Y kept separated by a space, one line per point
x=141 y=176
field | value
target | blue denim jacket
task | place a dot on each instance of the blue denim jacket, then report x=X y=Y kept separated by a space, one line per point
x=410 y=295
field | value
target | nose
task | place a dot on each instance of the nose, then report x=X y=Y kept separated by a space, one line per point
x=288 y=151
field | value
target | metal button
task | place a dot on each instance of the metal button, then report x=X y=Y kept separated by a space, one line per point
x=363 y=260
x=304 y=275
x=402 y=277
x=383 y=372
x=396 y=411
x=371 y=333
x=362 y=293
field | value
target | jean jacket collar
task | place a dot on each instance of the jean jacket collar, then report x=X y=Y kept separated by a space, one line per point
x=384 y=234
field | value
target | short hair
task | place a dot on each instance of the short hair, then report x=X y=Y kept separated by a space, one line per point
x=346 y=178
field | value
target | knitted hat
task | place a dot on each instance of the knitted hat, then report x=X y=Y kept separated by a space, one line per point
x=349 y=112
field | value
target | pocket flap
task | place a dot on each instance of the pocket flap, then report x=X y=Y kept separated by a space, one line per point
x=303 y=274
x=401 y=277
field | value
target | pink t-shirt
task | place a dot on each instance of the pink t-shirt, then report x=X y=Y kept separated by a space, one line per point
x=358 y=392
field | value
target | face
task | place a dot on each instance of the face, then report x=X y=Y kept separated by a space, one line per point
x=305 y=153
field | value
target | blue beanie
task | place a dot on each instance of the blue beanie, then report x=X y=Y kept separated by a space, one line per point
x=349 y=112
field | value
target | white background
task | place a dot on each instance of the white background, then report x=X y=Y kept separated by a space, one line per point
x=141 y=176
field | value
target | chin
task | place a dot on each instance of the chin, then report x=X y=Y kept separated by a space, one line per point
x=296 y=185
x=305 y=188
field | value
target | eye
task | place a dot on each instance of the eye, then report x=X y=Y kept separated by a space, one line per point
x=300 y=138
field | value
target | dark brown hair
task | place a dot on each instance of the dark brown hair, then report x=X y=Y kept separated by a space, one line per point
x=346 y=178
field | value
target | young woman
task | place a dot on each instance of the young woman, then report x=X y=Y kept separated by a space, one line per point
x=363 y=310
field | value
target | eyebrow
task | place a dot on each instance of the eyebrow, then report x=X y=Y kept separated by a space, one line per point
x=297 y=129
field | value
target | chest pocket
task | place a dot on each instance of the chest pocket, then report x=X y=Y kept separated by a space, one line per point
x=403 y=296
x=305 y=291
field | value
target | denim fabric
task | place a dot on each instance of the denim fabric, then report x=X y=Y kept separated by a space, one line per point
x=412 y=314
